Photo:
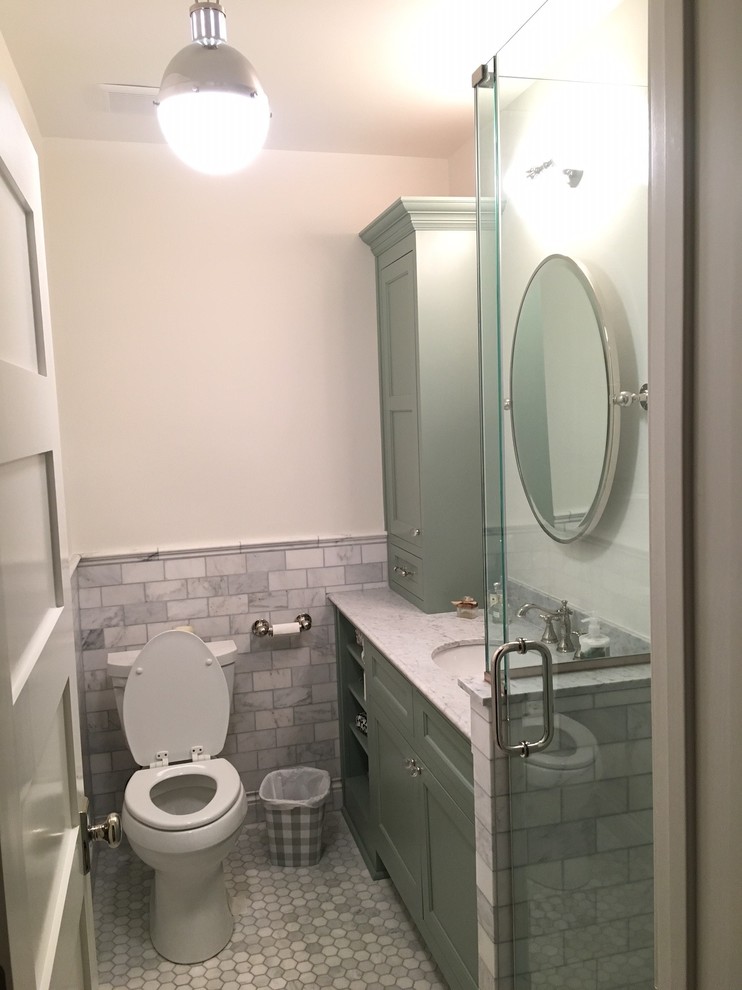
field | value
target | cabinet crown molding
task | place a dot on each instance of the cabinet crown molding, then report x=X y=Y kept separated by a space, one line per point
x=410 y=213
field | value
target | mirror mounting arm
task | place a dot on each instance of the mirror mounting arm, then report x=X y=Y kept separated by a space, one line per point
x=628 y=398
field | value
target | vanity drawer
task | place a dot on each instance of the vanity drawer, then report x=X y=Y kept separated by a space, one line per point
x=405 y=572
x=389 y=690
x=447 y=753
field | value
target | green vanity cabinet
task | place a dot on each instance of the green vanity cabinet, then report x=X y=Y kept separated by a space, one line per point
x=397 y=812
x=429 y=380
x=408 y=799
x=449 y=901
x=422 y=803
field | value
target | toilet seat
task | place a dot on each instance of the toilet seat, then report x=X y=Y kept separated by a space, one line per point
x=582 y=756
x=176 y=701
x=141 y=806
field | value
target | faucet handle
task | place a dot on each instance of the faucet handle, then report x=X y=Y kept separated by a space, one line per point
x=567 y=642
x=549 y=635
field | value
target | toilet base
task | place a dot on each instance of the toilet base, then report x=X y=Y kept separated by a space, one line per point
x=190 y=918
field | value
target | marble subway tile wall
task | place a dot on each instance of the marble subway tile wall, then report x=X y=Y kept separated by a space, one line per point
x=564 y=871
x=80 y=671
x=617 y=587
x=285 y=700
x=582 y=852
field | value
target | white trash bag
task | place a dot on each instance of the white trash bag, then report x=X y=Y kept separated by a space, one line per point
x=297 y=787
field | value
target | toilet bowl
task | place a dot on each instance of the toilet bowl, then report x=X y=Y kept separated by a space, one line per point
x=572 y=758
x=184 y=811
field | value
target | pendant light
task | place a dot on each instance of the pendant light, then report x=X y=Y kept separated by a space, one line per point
x=211 y=107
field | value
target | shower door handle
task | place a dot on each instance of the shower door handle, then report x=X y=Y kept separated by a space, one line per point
x=525 y=747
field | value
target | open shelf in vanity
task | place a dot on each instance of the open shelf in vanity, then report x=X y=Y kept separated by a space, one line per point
x=354 y=751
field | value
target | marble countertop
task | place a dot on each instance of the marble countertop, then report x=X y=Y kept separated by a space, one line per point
x=409 y=637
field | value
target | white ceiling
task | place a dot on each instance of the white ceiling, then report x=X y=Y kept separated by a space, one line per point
x=358 y=76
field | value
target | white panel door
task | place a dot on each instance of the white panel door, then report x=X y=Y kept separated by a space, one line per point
x=46 y=932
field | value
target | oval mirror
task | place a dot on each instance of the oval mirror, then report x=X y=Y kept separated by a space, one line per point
x=562 y=378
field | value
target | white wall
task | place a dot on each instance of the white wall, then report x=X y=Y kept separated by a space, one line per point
x=216 y=343
x=462 y=169
x=238 y=407
x=9 y=77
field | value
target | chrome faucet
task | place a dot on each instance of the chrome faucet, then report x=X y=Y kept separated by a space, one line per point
x=563 y=615
x=549 y=636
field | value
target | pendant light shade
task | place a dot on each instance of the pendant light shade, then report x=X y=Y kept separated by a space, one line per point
x=211 y=107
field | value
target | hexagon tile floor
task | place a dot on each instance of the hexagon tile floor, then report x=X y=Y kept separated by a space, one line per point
x=328 y=925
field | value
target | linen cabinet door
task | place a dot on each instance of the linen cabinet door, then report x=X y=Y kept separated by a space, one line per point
x=399 y=399
x=449 y=885
x=396 y=810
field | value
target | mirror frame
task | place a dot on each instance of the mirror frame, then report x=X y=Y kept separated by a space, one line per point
x=610 y=455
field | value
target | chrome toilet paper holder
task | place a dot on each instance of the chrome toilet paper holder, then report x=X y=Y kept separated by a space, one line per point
x=262 y=627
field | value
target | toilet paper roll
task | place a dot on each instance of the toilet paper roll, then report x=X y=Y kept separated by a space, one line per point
x=285 y=628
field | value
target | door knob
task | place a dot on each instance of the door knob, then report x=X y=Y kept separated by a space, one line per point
x=109 y=830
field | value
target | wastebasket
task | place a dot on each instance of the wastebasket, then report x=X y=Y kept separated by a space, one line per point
x=294 y=803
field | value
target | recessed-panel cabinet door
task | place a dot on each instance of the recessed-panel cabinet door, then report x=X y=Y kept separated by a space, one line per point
x=395 y=806
x=399 y=372
x=449 y=883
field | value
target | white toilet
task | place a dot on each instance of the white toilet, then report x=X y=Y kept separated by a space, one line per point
x=184 y=812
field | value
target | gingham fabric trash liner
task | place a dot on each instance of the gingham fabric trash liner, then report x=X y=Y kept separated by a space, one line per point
x=294 y=802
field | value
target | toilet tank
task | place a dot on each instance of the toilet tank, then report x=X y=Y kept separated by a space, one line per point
x=119 y=665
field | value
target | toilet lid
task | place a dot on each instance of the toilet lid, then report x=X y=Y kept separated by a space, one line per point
x=140 y=805
x=175 y=699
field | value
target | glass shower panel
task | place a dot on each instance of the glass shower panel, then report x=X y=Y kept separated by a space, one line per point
x=562 y=133
x=488 y=232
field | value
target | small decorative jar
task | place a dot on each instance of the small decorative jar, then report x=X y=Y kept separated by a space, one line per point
x=466 y=607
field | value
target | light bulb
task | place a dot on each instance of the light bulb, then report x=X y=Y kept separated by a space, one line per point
x=215 y=131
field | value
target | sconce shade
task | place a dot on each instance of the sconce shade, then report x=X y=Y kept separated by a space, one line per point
x=212 y=109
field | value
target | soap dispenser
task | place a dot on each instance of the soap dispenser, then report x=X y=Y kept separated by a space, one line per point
x=494 y=602
x=594 y=644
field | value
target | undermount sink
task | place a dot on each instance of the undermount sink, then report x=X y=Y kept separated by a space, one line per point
x=462 y=659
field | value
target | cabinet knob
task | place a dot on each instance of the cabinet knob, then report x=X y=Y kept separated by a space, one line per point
x=416 y=532
x=413 y=767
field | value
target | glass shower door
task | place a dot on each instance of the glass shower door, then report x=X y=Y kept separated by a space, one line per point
x=562 y=216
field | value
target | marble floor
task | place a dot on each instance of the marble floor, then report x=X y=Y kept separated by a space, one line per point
x=328 y=925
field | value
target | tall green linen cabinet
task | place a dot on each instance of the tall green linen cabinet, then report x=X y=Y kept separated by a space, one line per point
x=426 y=278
